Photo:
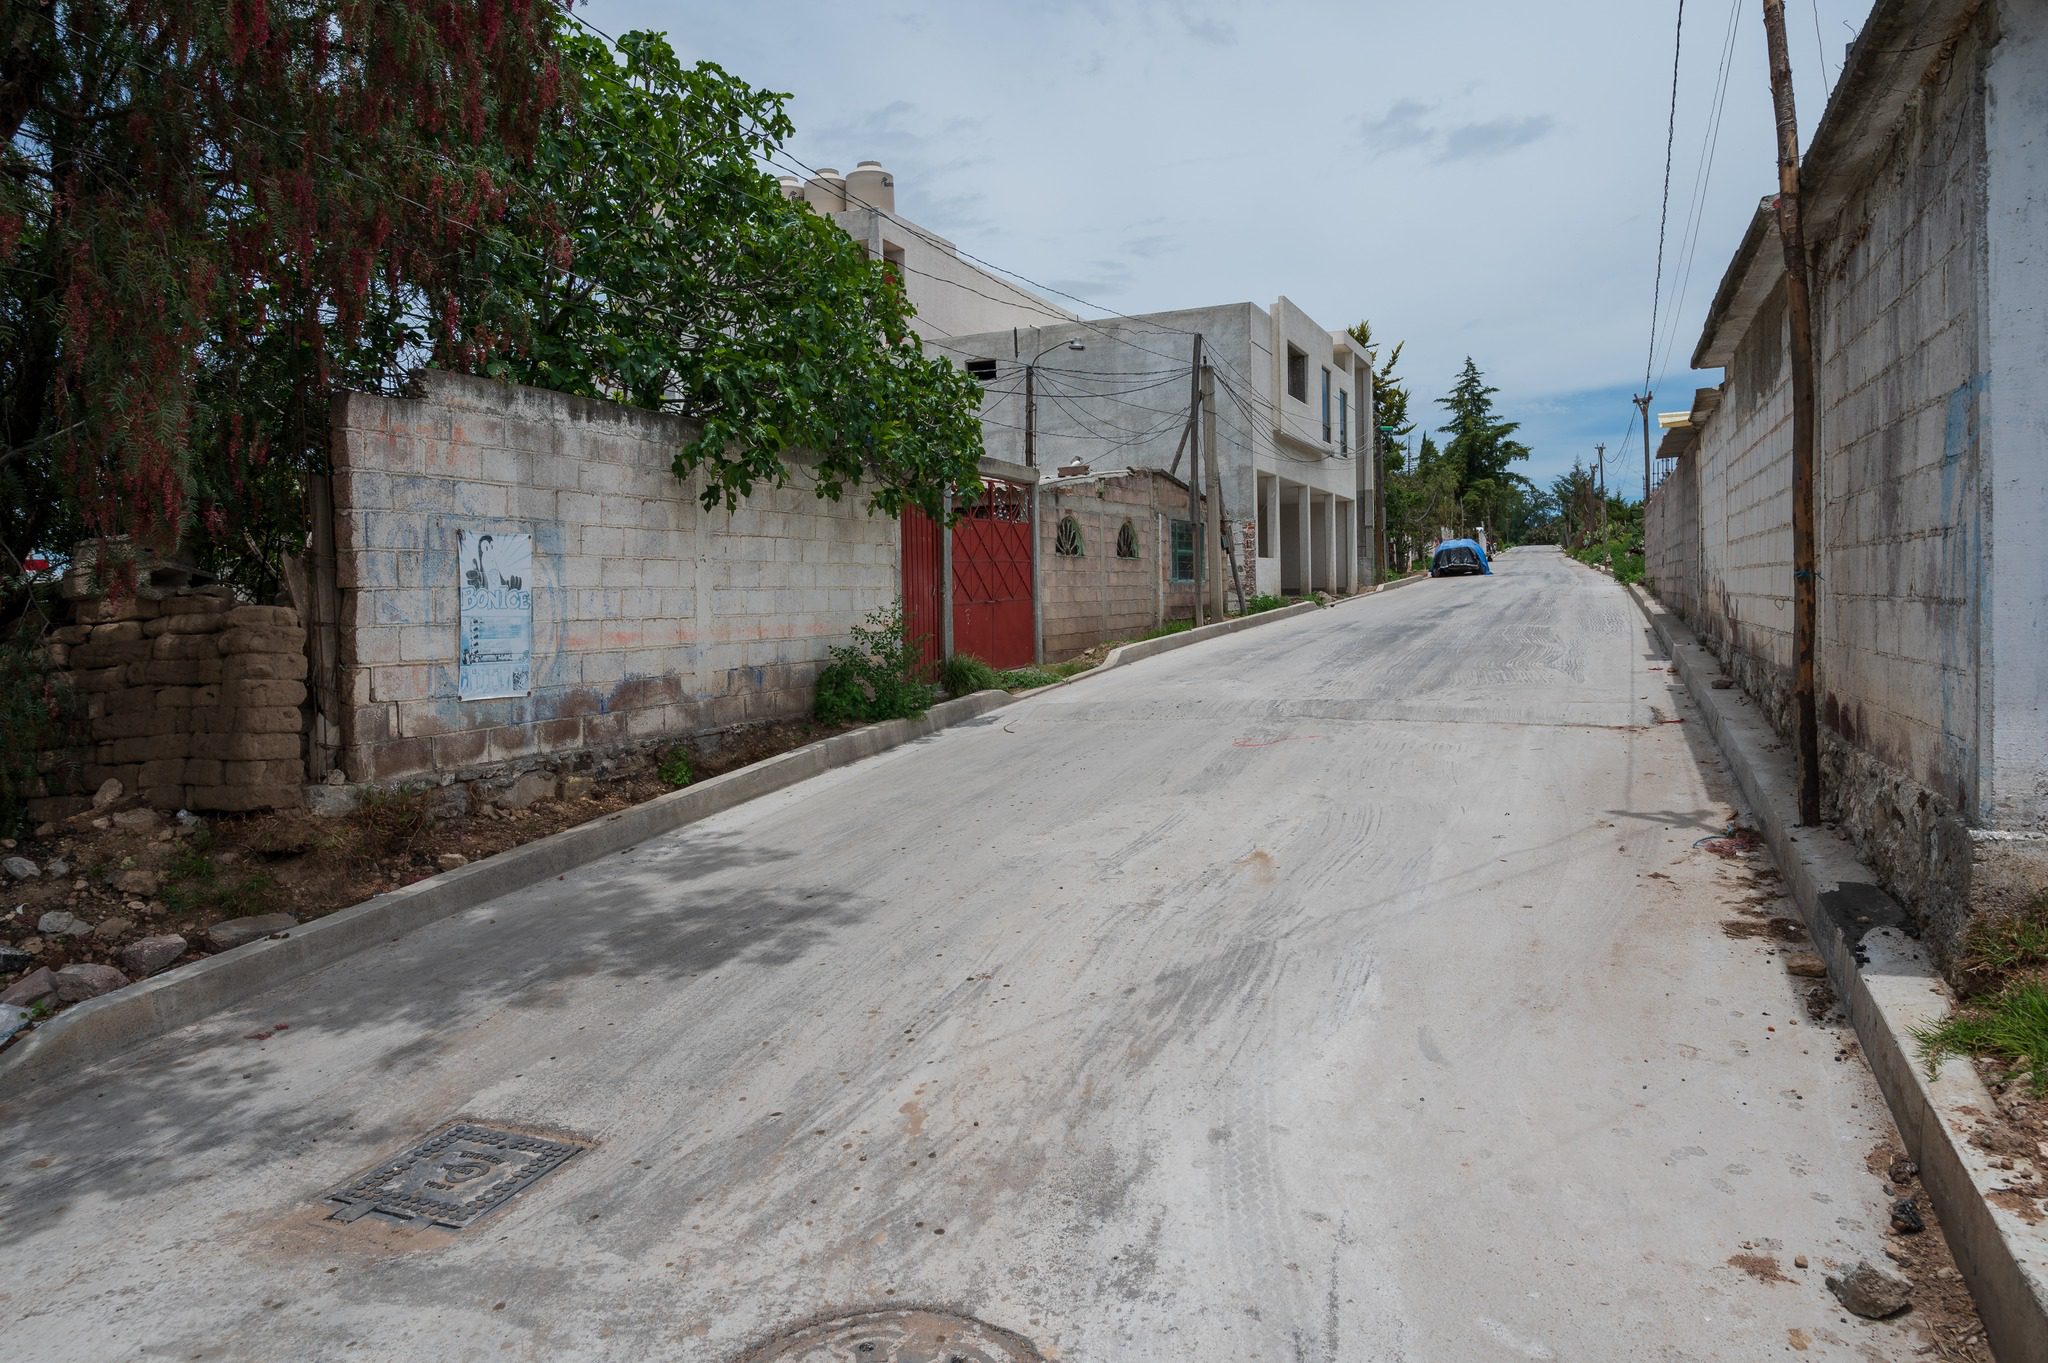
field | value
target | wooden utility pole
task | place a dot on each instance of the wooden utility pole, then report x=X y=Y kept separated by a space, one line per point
x=1643 y=403
x=1799 y=312
x=1195 y=471
x=1600 y=458
x=1212 y=478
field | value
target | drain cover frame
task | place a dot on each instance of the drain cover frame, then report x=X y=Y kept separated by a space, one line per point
x=424 y=1185
x=898 y=1334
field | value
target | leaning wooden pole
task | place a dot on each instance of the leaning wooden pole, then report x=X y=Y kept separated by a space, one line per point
x=1799 y=312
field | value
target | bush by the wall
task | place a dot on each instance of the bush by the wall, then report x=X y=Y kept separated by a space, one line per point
x=875 y=677
x=963 y=674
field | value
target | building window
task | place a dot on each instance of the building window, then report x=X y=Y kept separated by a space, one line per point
x=985 y=370
x=1297 y=374
x=1067 y=544
x=1326 y=404
x=1343 y=422
x=1187 y=551
x=1127 y=541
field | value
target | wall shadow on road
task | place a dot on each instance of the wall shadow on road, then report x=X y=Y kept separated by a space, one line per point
x=129 y=1128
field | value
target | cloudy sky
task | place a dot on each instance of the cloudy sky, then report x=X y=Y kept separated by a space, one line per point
x=1477 y=177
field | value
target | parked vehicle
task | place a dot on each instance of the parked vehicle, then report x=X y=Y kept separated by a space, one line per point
x=1459 y=556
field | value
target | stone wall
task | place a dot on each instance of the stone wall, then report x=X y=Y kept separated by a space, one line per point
x=185 y=697
x=652 y=617
x=1099 y=595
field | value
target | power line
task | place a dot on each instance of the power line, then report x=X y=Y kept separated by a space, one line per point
x=1710 y=144
x=1664 y=216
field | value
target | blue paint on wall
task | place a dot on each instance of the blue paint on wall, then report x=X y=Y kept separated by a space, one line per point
x=1959 y=433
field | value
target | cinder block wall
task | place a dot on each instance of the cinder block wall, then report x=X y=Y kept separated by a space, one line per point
x=1900 y=509
x=1898 y=495
x=653 y=618
x=185 y=697
x=1672 y=538
x=1098 y=595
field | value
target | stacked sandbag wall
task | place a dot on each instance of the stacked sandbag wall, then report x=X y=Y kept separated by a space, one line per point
x=184 y=696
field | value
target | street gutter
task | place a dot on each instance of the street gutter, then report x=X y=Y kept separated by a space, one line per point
x=1890 y=985
x=128 y=1016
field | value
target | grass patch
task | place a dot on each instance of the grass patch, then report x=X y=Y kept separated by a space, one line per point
x=1160 y=632
x=193 y=882
x=674 y=771
x=1263 y=602
x=963 y=674
x=391 y=822
x=2011 y=1026
x=1996 y=946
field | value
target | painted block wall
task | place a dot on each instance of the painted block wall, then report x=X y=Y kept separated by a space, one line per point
x=652 y=617
x=1099 y=596
x=1897 y=501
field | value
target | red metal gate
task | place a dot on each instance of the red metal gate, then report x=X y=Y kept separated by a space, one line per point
x=921 y=583
x=992 y=577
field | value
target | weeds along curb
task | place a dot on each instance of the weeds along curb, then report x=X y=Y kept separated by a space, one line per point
x=104 y=1026
x=1889 y=984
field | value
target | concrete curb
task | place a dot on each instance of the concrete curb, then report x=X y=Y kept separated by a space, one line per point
x=1152 y=648
x=113 y=1022
x=1890 y=985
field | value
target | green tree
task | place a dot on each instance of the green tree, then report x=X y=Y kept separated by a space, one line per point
x=651 y=261
x=212 y=213
x=1480 y=449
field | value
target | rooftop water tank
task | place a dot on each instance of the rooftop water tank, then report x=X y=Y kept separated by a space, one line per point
x=871 y=185
x=826 y=190
x=792 y=188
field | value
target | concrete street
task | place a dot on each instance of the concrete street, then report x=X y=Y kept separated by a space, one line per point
x=1348 y=988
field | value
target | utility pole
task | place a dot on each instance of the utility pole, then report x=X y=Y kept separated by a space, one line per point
x=1031 y=415
x=1600 y=453
x=1195 y=470
x=1212 y=478
x=1799 y=312
x=1643 y=402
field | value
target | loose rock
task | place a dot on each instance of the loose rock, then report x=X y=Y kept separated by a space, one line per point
x=448 y=861
x=87 y=980
x=237 y=931
x=31 y=989
x=138 y=820
x=138 y=881
x=109 y=791
x=148 y=955
x=21 y=868
x=1870 y=1292
x=57 y=923
x=1906 y=1217
x=12 y=1020
x=1806 y=965
x=13 y=958
x=112 y=928
x=58 y=868
x=529 y=787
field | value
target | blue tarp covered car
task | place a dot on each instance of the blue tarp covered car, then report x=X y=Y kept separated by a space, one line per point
x=1459 y=556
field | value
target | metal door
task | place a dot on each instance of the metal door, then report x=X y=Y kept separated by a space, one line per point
x=992 y=577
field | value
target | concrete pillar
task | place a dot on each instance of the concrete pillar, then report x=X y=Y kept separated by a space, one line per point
x=2012 y=412
x=1329 y=547
x=1305 y=517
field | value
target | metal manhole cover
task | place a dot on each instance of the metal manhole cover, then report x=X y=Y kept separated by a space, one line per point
x=907 y=1335
x=452 y=1179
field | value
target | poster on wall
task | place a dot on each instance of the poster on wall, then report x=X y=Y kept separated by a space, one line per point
x=497 y=615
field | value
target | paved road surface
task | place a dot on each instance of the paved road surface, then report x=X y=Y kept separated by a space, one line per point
x=1345 y=989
